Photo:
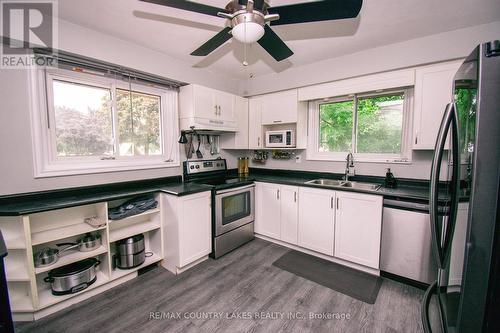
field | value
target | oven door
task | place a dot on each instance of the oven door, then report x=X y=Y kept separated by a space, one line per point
x=234 y=208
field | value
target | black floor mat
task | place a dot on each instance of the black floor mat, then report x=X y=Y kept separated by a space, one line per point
x=354 y=283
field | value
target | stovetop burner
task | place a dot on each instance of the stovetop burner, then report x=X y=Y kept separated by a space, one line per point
x=211 y=172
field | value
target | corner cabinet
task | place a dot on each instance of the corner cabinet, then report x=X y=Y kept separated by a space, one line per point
x=316 y=219
x=187 y=230
x=206 y=108
x=433 y=91
x=239 y=139
x=358 y=228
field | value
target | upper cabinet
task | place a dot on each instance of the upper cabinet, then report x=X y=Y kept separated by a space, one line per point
x=206 y=108
x=433 y=91
x=255 y=137
x=239 y=139
x=280 y=108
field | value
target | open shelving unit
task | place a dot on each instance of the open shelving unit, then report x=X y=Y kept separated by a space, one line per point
x=30 y=296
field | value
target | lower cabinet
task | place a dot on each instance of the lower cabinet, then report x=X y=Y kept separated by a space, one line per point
x=188 y=230
x=277 y=211
x=358 y=226
x=341 y=224
x=316 y=219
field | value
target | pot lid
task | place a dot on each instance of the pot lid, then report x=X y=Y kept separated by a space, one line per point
x=73 y=268
x=130 y=240
x=46 y=252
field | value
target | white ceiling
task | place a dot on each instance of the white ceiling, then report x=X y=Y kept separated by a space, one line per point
x=177 y=32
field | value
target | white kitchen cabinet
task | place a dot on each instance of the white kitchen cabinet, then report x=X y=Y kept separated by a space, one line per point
x=239 y=139
x=267 y=210
x=255 y=138
x=433 y=91
x=316 y=229
x=458 y=245
x=358 y=226
x=280 y=108
x=289 y=208
x=206 y=108
x=187 y=230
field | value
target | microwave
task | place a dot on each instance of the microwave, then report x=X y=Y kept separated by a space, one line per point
x=280 y=139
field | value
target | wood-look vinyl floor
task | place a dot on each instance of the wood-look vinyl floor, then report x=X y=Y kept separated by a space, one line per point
x=239 y=286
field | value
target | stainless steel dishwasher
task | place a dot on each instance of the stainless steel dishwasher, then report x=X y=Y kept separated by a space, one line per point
x=406 y=241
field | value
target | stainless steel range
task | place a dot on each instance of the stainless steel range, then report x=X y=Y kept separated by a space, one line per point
x=233 y=209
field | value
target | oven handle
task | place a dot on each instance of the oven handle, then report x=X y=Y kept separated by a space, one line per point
x=235 y=189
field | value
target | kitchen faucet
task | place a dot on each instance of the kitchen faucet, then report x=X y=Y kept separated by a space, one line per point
x=349 y=164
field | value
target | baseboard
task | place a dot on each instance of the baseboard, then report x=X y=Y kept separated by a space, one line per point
x=404 y=280
x=365 y=269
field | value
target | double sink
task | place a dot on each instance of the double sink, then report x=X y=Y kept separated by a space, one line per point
x=346 y=184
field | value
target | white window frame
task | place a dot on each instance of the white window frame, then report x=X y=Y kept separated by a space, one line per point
x=46 y=162
x=313 y=137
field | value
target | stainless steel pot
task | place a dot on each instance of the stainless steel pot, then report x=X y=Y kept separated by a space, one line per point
x=87 y=243
x=73 y=278
x=131 y=245
x=129 y=261
x=45 y=257
x=130 y=252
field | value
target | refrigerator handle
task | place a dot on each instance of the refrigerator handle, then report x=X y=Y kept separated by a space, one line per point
x=434 y=184
x=454 y=184
x=424 y=312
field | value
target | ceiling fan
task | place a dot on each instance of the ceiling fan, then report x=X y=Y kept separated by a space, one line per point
x=248 y=20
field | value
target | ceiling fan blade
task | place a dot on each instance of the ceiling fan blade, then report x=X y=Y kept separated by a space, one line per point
x=188 y=5
x=273 y=44
x=316 y=11
x=213 y=43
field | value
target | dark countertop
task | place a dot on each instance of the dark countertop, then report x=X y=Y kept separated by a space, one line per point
x=400 y=192
x=29 y=203
x=40 y=202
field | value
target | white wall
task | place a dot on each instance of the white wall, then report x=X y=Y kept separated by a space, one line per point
x=16 y=164
x=440 y=47
x=420 y=167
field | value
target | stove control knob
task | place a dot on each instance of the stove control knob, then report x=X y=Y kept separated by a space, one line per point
x=197 y=166
x=191 y=167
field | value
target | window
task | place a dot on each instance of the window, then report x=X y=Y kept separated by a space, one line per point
x=86 y=123
x=371 y=126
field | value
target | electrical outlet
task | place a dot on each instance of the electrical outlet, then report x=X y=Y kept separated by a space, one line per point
x=298 y=159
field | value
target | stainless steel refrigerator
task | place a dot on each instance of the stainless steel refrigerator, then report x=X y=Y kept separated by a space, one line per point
x=466 y=168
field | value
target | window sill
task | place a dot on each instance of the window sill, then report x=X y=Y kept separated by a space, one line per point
x=60 y=170
x=363 y=160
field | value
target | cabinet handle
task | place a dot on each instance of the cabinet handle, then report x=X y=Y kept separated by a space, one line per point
x=331 y=202
x=337 y=203
x=215 y=109
x=219 y=109
x=276 y=121
x=295 y=196
x=416 y=137
x=278 y=194
x=258 y=142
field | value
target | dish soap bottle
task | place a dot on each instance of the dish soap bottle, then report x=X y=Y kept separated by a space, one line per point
x=390 y=181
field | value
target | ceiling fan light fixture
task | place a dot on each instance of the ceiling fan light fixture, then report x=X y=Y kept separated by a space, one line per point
x=248 y=32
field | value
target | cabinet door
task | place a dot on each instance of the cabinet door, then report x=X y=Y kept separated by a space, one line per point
x=204 y=103
x=225 y=103
x=280 y=108
x=255 y=123
x=289 y=197
x=195 y=222
x=316 y=219
x=358 y=227
x=433 y=91
x=267 y=209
